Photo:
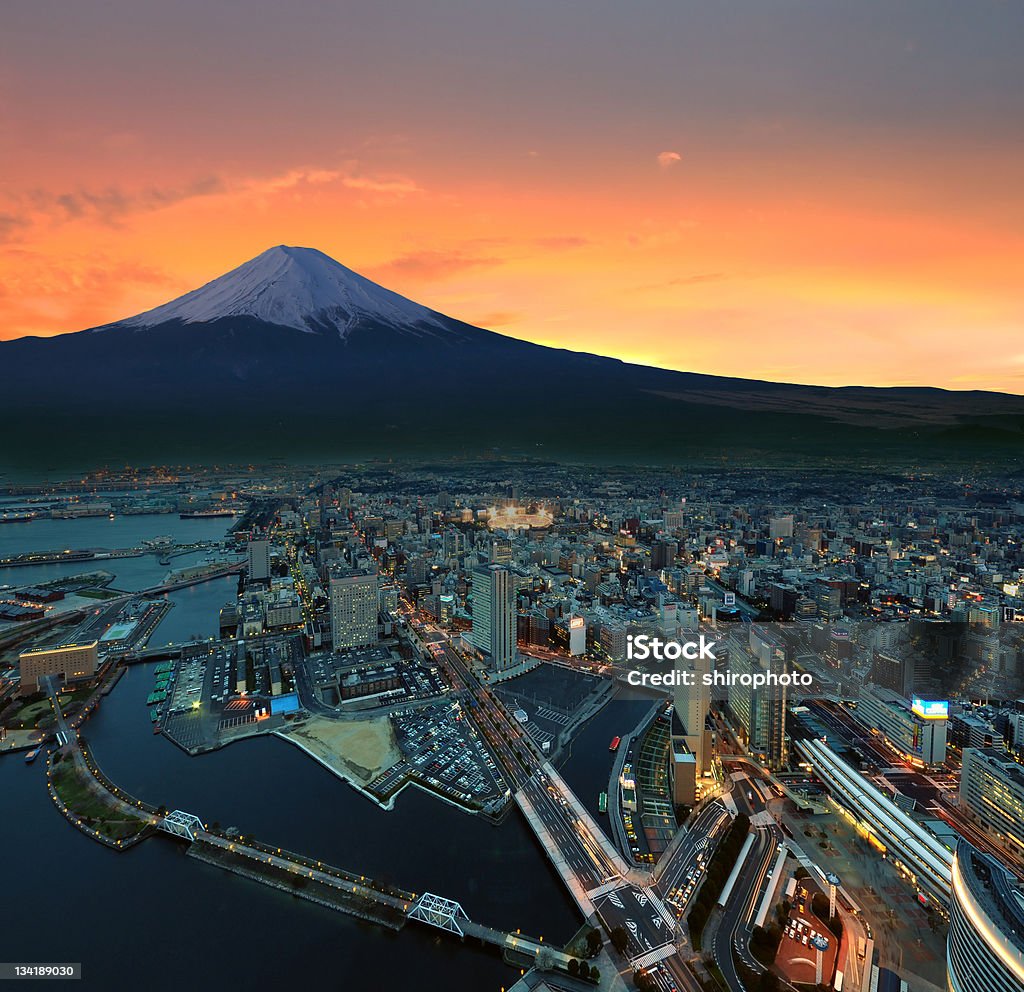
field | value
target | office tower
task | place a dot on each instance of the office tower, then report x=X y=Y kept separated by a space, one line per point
x=780 y=527
x=759 y=712
x=992 y=791
x=985 y=948
x=500 y=551
x=494 y=616
x=663 y=553
x=692 y=703
x=353 y=608
x=570 y=634
x=828 y=598
x=892 y=672
x=454 y=543
x=259 y=561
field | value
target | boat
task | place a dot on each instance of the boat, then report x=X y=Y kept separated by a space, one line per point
x=602 y=803
x=31 y=756
x=16 y=518
x=614 y=746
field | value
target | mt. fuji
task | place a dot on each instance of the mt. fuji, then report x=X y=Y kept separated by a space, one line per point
x=293 y=356
x=300 y=288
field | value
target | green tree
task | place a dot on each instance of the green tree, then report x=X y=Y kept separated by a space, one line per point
x=620 y=939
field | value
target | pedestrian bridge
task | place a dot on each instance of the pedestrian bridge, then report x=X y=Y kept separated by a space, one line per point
x=184 y=825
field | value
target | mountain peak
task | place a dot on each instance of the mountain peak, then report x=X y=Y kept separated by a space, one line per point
x=294 y=287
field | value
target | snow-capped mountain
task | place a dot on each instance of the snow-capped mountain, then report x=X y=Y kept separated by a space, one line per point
x=293 y=287
x=292 y=355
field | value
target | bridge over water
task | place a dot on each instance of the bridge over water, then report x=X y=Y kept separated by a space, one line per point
x=352 y=891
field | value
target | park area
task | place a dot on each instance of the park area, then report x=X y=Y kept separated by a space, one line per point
x=87 y=801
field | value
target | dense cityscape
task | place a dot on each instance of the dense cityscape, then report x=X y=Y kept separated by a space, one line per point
x=822 y=788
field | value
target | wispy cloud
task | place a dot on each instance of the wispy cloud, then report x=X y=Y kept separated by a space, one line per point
x=394 y=185
x=113 y=205
x=667 y=159
x=435 y=264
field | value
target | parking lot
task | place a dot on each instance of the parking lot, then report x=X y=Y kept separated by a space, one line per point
x=550 y=696
x=796 y=958
x=443 y=751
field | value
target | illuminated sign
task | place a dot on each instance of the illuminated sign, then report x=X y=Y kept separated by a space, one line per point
x=930 y=709
x=730 y=599
x=576 y=622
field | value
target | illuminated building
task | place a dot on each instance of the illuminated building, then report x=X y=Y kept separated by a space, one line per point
x=992 y=791
x=494 y=615
x=72 y=661
x=985 y=948
x=692 y=703
x=918 y=733
x=259 y=561
x=354 y=605
x=570 y=634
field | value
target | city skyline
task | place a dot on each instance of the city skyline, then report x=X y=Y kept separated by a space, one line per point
x=812 y=195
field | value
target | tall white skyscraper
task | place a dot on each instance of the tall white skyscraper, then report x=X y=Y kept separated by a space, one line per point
x=692 y=703
x=494 y=615
x=354 y=604
x=259 y=560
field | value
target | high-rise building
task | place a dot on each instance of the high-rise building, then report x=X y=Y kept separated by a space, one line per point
x=570 y=634
x=259 y=561
x=692 y=703
x=893 y=672
x=454 y=543
x=992 y=791
x=500 y=550
x=354 y=606
x=985 y=948
x=828 y=598
x=494 y=615
x=759 y=712
x=663 y=553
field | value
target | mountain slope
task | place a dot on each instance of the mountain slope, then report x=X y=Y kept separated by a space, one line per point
x=293 y=355
x=301 y=288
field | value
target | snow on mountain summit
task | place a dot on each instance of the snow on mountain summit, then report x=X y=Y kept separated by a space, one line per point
x=293 y=287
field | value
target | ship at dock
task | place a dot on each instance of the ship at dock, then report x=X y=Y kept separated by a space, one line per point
x=614 y=746
x=207 y=514
x=602 y=803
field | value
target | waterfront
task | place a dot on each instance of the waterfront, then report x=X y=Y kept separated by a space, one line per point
x=130 y=574
x=265 y=787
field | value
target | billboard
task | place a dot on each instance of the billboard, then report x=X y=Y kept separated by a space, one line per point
x=930 y=709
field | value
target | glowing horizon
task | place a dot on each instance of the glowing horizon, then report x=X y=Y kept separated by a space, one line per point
x=819 y=196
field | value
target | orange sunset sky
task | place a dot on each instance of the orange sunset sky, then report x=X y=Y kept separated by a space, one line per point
x=805 y=191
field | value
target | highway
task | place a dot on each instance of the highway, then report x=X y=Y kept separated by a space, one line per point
x=598 y=872
x=736 y=923
x=701 y=835
x=622 y=897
